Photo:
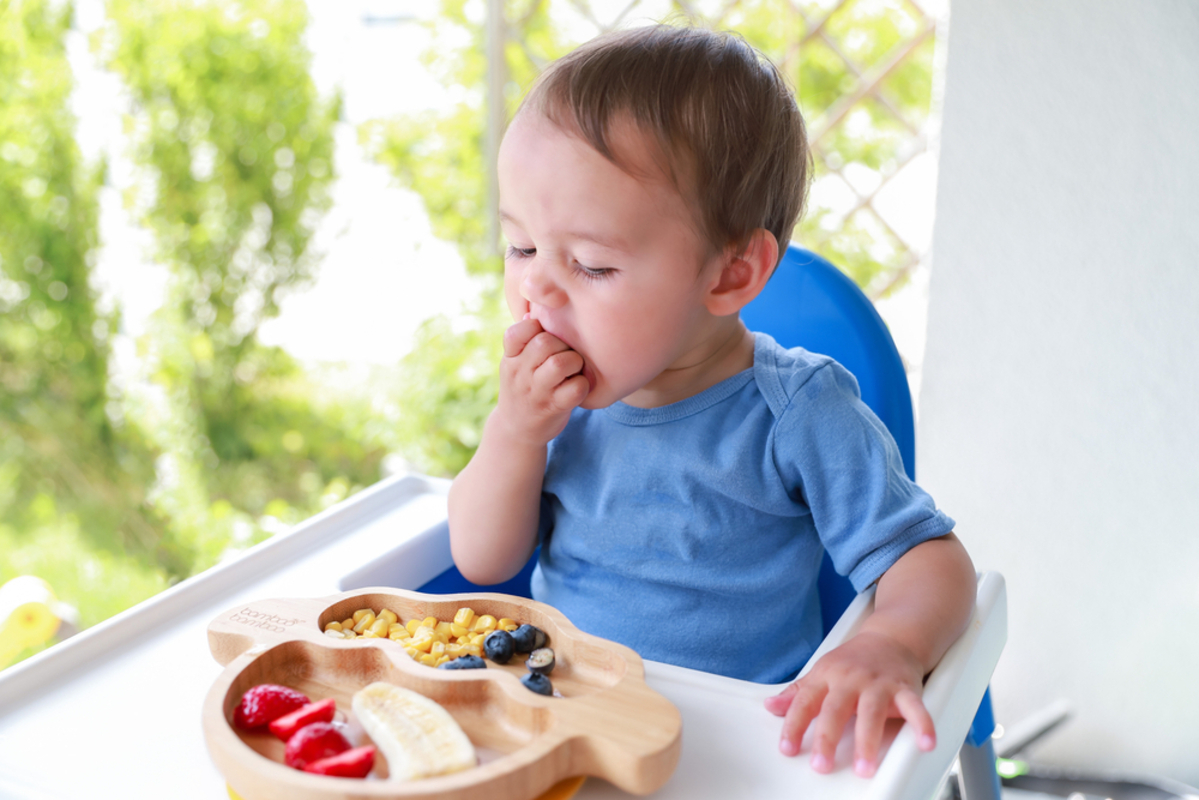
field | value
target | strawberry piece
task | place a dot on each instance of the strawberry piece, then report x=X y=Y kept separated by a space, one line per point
x=265 y=703
x=356 y=763
x=312 y=743
x=320 y=711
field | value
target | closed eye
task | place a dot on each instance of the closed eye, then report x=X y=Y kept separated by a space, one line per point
x=521 y=252
x=593 y=273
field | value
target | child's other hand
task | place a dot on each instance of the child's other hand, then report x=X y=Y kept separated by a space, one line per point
x=871 y=675
x=541 y=382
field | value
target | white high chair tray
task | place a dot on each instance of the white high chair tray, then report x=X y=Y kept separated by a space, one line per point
x=115 y=711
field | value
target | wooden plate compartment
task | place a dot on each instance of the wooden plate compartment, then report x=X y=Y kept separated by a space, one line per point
x=606 y=723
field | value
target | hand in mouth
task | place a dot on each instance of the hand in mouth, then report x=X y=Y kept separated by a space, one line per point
x=587 y=372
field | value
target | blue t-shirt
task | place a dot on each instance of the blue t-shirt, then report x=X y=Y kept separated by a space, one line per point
x=694 y=532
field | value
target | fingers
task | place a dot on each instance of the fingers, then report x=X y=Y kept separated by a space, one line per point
x=868 y=731
x=519 y=334
x=778 y=704
x=828 y=728
x=912 y=709
x=805 y=705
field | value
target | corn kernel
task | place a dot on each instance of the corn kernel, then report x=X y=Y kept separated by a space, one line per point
x=365 y=621
x=348 y=633
x=424 y=630
x=443 y=628
x=506 y=624
x=428 y=658
x=455 y=650
x=477 y=638
x=362 y=612
x=465 y=617
x=379 y=627
x=388 y=615
x=348 y=623
x=484 y=624
x=412 y=625
x=473 y=649
x=429 y=622
x=400 y=638
x=332 y=634
x=458 y=630
x=369 y=633
x=438 y=649
x=441 y=660
x=412 y=651
x=333 y=626
x=422 y=643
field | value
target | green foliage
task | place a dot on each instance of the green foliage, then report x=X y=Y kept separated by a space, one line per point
x=238 y=149
x=57 y=441
x=449 y=385
x=447 y=389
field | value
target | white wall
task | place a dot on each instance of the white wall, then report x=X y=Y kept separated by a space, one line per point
x=1060 y=409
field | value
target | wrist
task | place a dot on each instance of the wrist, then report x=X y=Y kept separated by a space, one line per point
x=500 y=431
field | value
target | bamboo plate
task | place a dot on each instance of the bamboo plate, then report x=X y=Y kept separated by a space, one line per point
x=606 y=723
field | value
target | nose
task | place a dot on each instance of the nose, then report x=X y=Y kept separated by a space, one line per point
x=538 y=286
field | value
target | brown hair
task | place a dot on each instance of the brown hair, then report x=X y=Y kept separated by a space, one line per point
x=721 y=114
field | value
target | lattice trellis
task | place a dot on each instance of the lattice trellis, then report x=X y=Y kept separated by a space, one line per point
x=862 y=70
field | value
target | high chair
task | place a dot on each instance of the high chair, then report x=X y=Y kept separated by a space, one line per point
x=810 y=303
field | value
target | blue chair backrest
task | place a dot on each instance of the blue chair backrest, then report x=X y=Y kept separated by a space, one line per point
x=808 y=303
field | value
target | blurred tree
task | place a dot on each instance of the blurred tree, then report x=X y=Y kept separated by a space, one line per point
x=238 y=149
x=863 y=76
x=65 y=462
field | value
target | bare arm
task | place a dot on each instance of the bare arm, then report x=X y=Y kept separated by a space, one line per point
x=495 y=502
x=924 y=600
x=494 y=507
x=921 y=607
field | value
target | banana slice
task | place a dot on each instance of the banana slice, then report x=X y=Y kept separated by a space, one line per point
x=418 y=737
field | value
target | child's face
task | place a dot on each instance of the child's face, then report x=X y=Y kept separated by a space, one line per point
x=609 y=263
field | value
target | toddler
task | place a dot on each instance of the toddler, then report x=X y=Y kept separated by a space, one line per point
x=682 y=474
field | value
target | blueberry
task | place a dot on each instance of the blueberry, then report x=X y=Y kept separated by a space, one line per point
x=536 y=682
x=465 y=662
x=499 y=646
x=528 y=638
x=541 y=661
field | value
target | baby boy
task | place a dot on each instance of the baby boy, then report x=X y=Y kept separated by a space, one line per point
x=682 y=474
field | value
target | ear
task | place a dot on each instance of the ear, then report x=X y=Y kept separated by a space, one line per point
x=743 y=274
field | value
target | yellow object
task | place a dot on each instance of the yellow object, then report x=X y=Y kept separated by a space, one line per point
x=379 y=627
x=484 y=624
x=365 y=621
x=429 y=622
x=27 y=616
x=506 y=624
x=362 y=612
x=389 y=615
x=464 y=617
x=348 y=623
x=412 y=625
x=418 y=737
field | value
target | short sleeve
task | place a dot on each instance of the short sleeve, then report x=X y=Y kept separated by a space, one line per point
x=837 y=458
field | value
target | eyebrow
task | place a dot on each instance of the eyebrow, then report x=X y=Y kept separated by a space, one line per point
x=607 y=242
